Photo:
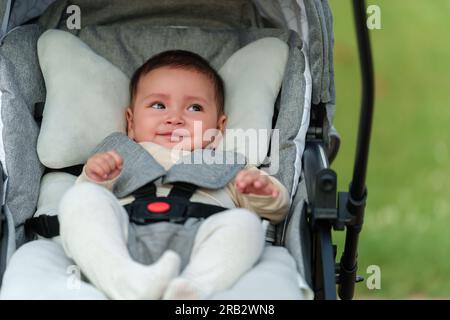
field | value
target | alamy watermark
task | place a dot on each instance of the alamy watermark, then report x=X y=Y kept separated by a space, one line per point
x=73 y=21
x=374 y=17
x=73 y=281
x=251 y=146
x=374 y=280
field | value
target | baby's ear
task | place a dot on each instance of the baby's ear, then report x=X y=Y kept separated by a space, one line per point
x=221 y=123
x=130 y=127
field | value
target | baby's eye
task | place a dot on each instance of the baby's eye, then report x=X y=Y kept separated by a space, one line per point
x=157 y=105
x=195 y=107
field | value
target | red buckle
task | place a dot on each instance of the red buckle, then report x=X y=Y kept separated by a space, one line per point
x=158 y=207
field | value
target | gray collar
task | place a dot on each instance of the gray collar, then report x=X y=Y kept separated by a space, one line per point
x=205 y=168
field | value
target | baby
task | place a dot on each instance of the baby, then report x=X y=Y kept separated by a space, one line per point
x=170 y=93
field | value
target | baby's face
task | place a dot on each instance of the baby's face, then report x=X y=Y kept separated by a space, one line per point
x=168 y=105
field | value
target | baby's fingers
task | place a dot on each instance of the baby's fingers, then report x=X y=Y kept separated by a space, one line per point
x=268 y=190
x=108 y=161
x=106 y=165
x=95 y=171
x=260 y=182
x=116 y=157
x=244 y=179
x=274 y=191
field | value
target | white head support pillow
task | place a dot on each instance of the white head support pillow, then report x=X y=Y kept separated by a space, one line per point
x=87 y=96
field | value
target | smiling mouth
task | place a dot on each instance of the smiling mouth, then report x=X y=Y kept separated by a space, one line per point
x=171 y=136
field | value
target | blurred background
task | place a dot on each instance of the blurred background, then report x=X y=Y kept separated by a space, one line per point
x=408 y=211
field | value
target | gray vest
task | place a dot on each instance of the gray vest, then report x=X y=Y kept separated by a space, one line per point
x=204 y=168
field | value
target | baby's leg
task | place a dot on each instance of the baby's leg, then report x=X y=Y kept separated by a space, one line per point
x=94 y=231
x=226 y=246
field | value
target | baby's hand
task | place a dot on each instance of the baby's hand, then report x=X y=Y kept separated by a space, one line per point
x=104 y=166
x=252 y=181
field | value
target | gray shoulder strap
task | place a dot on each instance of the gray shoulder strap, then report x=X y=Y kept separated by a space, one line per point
x=139 y=167
x=206 y=168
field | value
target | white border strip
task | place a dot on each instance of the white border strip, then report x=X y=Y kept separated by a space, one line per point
x=9 y=219
x=11 y=233
x=304 y=27
x=2 y=147
x=6 y=16
x=300 y=138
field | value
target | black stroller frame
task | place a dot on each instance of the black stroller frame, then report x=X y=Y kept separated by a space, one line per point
x=324 y=212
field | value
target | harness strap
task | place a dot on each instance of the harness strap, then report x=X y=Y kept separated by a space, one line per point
x=183 y=190
x=44 y=225
x=146 y=190
x=175 y=208
x=168 y=209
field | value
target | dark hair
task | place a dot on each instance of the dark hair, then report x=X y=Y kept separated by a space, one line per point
x=184 y=60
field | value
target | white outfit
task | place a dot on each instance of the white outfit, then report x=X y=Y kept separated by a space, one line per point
x=94 y=231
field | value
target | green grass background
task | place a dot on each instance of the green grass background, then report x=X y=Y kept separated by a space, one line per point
x=408 y=210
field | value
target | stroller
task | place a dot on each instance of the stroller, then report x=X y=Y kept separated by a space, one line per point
x=303 y=113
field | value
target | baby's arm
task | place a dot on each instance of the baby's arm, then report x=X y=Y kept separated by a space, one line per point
x=102 y=168
x=255 y=190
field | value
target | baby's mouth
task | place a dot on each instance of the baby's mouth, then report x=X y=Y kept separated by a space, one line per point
x=171 y=136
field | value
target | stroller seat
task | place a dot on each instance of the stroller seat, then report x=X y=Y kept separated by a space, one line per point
x=54 y=276
x=283 y=271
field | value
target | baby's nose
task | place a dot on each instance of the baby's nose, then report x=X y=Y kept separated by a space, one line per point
x=174 y=120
